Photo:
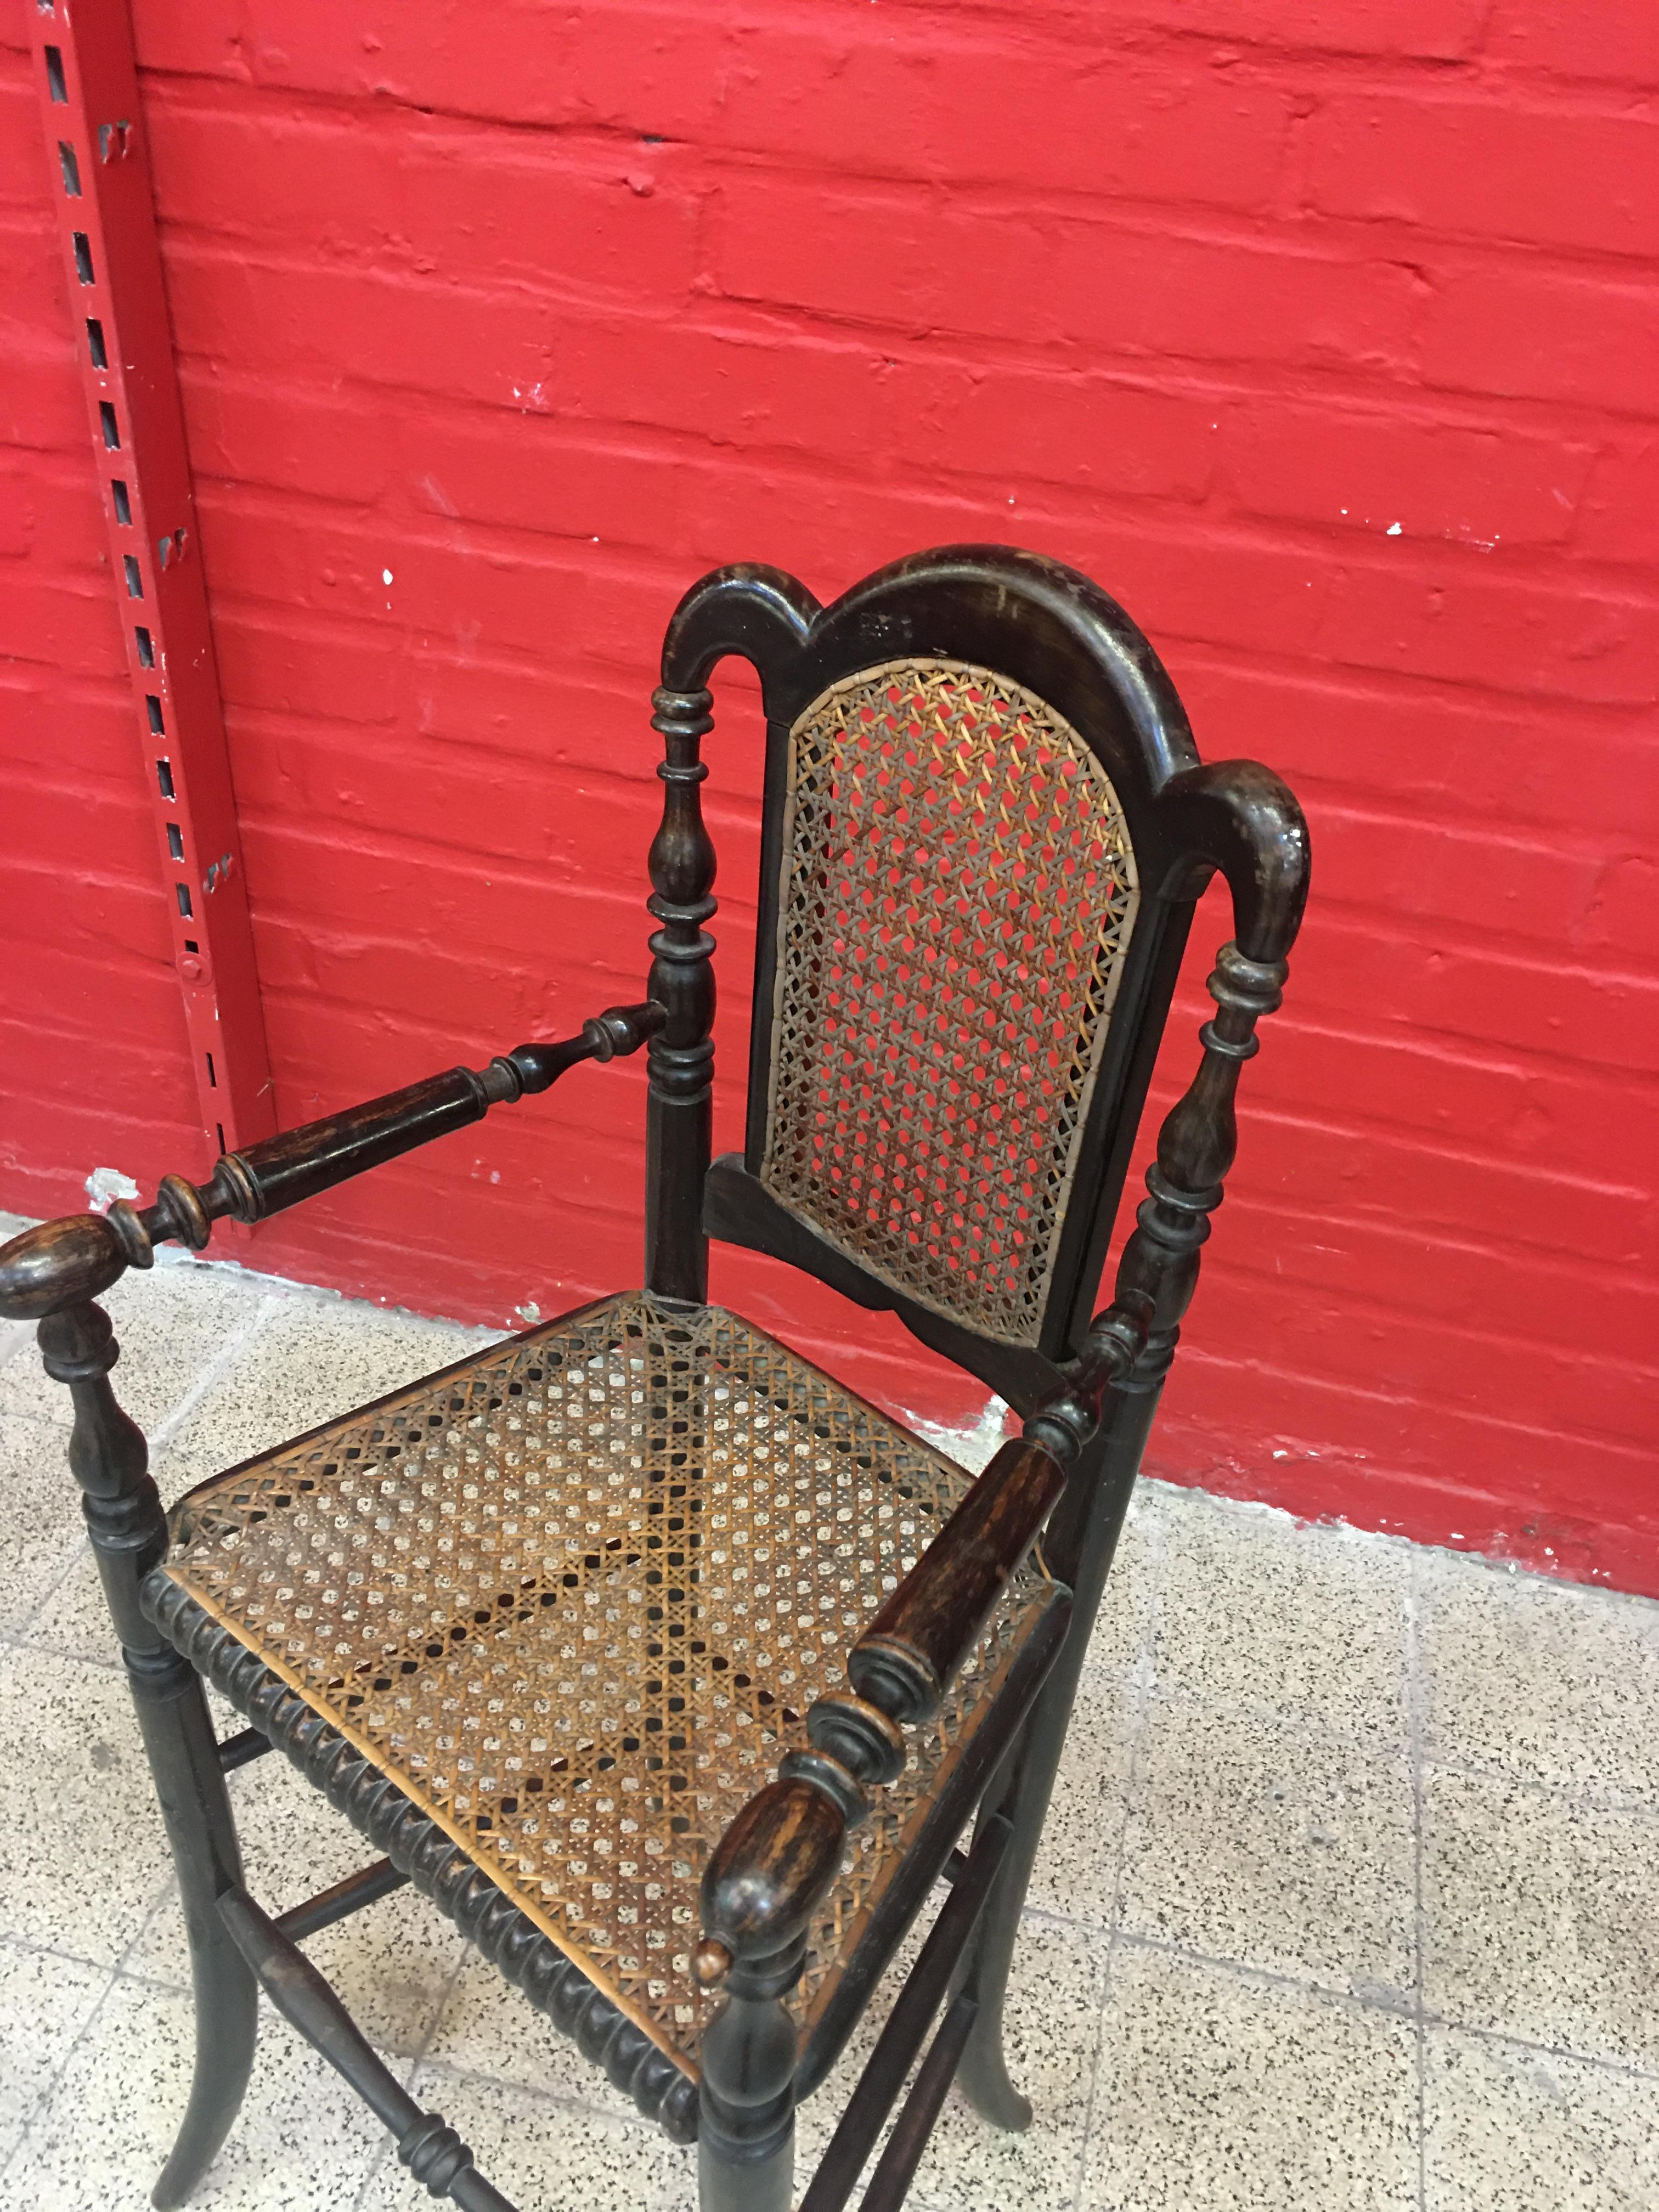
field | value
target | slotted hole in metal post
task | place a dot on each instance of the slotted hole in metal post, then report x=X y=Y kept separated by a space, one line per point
x=124 y=324
x=213 y=1080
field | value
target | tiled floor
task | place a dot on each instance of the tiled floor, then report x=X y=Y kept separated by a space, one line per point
x=1351 y=1897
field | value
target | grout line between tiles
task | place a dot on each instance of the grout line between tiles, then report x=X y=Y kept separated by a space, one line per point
x=1142 y=1677
x=19 y=1632
x=213 y=1370
x=1415 y=1715
x=21 y=1639
x=411 y=2073
x=1623 y=2067
x=1585 y=1800
x=1350 y=2000
x=94 y=2014
x=13 y=1942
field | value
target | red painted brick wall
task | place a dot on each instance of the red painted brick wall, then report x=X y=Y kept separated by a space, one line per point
x=1323 y=335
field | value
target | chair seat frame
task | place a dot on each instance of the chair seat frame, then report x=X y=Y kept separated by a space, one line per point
x=1087 y=1391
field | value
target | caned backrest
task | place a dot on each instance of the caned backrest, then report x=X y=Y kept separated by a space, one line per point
x=975 y=883
x=955 y=900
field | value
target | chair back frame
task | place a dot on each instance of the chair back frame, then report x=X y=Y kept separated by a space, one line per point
x=1048 y=629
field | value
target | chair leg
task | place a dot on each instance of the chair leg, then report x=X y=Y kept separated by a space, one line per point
x=108 y=1458
x=1022 y=1790
x=184 y=1759
x=746 y=2104
x=1082 y=1539
x=729 y=2182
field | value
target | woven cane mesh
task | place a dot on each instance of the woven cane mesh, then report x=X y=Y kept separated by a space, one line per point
x=957 y=895
x=575 y=1598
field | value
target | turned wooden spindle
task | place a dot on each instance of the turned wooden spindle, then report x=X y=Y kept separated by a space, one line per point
x=60 y=1263
x=1196 y=1147
x=679 y=1115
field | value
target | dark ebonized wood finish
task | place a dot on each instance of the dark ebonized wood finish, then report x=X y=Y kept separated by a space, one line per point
x=108 y=1458
x=1053 y=631
x=426 y=2145
x=900 y=2039
x=439 y=1869
x=60 y=1262
x=679 y=1117
x=1087 y=1395
x=1088 y=1392
x=341 y=1900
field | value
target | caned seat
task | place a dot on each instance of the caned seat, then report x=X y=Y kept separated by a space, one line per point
x=575 y=1597
x=679 y=1678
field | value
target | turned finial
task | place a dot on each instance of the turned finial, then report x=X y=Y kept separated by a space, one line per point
x=711 y=1962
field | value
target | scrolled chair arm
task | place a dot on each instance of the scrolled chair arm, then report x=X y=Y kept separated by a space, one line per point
x=62 y=1263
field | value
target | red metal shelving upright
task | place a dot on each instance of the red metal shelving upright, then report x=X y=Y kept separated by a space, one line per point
x=87 y=82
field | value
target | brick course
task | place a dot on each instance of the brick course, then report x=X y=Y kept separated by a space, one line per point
x=1324 y=335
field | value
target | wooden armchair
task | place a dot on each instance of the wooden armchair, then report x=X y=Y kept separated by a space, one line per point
x=670 y=1670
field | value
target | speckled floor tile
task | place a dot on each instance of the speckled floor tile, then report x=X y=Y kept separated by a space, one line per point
x=81 y=1852
x=302 y=2141
x=1541 y=1918
x=16 y=1337
x=1275 y=1655
x=1051 y=2027
x=312 y=1359
x=486 y=2026
x=546 y=2156
x=1077 y=1860
x=1288 y=1849
x=45 y=2003
x=1509 y=2130
x=41 y=1529
x=392 y=1962
x=170 y=1322
x=1538 y=1682
x=1258 y=1612
x=1122 y=1629
x=71 y=1615
x=1220 y=2094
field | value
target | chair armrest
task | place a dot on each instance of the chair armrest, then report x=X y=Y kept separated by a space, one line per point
x=777 y=1858
x=908 y=1656
x=60 y=1263
x=1234 y=816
